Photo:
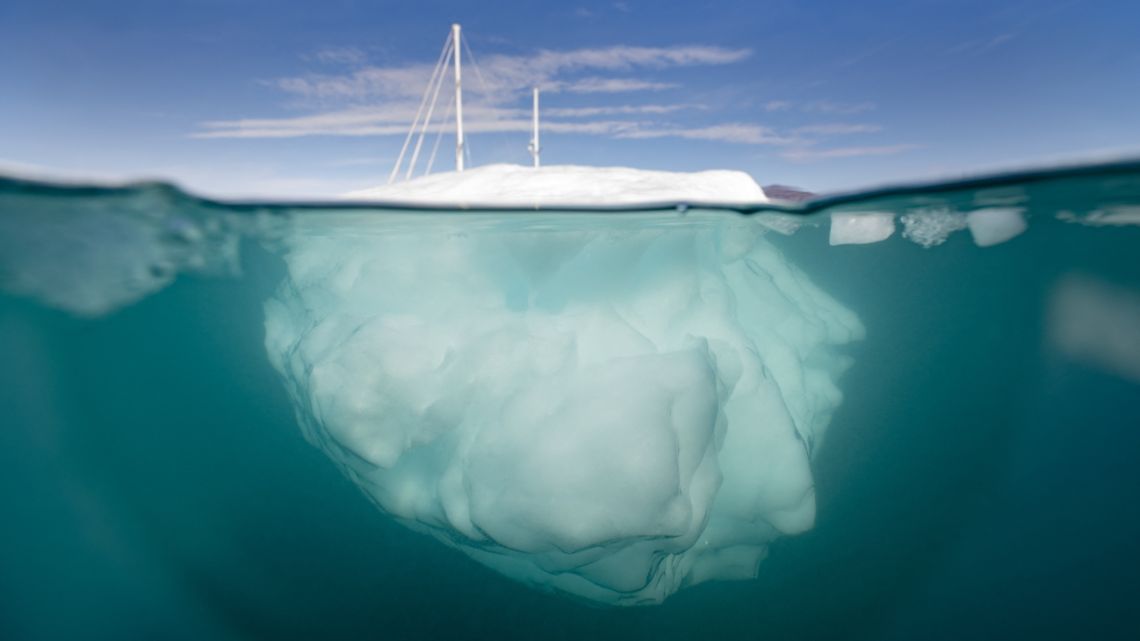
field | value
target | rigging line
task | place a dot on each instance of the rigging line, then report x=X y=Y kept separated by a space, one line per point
x=475 y=65
x=427 y=90
x=485 y=87
x=439 y=136
x=423 y=125
x=482 y=82
x=436 y=71
x=427 y=121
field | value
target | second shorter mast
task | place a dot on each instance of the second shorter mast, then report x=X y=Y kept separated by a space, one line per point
x=458 y=102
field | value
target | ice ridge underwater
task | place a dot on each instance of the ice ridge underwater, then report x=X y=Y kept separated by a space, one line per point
x=607 y=404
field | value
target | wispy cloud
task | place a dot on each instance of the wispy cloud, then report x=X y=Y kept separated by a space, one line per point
x=361 y=161
x=371 y=122
x=836 y=129
x=611 y=85
x=841 y=108
x=584 y=12
x=978 y=47
x=870 y=52
x=626 y=57
x=504 y=76
x=369 y=100
x=741 y=133
x=339 y=56
x=383 y=100
x=369 y=82
x=829 y=107
x=389 y=120
x=809 y=154
x=612 y=110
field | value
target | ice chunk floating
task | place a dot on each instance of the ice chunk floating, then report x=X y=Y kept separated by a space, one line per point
x=861 y=228
x=589 y=403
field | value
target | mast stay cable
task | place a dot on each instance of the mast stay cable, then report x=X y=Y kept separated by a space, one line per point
x=427 y=119
x=437 y=71
x=439 y=136
x=475 y=64
x=482 y=84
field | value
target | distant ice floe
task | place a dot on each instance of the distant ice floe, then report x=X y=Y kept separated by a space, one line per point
x=611 y=408
x=1116 y=215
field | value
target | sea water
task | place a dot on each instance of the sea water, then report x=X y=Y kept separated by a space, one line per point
x=978 y=479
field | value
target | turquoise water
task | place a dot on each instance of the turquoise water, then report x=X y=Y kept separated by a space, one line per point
x=977 y=481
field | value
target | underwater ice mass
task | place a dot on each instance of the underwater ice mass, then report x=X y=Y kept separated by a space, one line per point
x=603 y=405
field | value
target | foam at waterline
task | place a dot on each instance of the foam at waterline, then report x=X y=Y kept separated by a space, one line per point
x=931 y=226
x=612 y=406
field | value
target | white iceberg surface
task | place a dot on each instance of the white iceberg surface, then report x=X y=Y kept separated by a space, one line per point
x=610 y=406
x=570 y=185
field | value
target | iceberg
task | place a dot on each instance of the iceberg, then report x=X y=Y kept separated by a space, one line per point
x=607 y=405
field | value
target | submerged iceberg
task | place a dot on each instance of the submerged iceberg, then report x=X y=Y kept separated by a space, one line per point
x=607 y=405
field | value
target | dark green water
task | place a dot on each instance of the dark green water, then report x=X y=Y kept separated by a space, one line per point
x=980 y=479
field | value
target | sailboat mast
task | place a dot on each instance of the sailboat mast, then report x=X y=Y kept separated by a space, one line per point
x=458 y=101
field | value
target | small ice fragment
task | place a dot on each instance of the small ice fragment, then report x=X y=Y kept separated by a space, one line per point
x=995 y=225
x=861 y=228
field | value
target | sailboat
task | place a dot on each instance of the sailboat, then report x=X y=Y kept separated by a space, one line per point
x=534 y=186
x=449 y=58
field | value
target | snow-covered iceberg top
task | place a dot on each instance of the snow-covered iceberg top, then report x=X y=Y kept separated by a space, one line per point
x=569 y=185
x=608 y=406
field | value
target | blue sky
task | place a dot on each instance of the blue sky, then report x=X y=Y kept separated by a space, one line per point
x=255 y=98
